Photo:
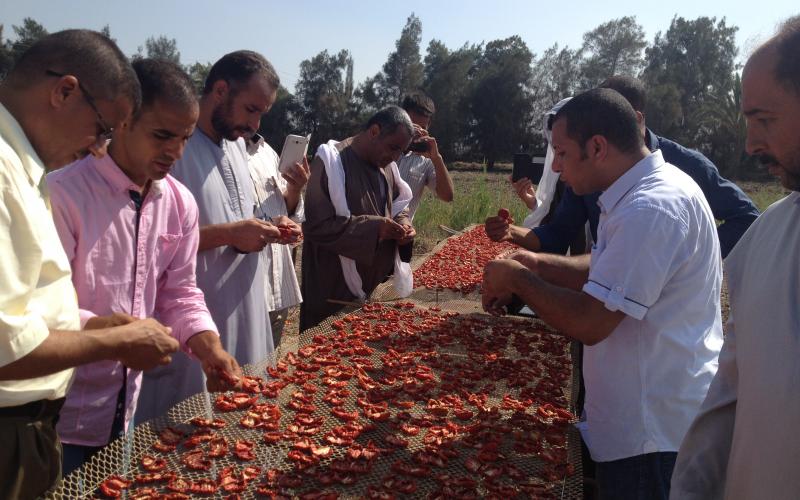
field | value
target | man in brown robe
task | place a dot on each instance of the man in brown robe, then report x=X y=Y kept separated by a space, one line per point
x=370 y=234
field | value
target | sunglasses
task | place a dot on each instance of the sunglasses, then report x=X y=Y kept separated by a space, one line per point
x=105 y=131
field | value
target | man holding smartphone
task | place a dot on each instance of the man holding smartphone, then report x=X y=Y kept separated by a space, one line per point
x=278 y=198
x=422 y=165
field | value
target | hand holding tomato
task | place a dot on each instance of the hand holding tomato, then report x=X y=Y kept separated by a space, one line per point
x=498 y=228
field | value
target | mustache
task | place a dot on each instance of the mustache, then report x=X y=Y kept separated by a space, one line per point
x=766 y=160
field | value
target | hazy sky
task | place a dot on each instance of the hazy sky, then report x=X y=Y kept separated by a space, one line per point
x=287 y=32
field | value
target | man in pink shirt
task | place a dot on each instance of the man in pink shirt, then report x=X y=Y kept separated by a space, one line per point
x=131 y=233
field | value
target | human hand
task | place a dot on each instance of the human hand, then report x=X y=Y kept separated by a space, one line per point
x=408 y=237
x=524 y=189
x=291 y=232
x=222 y=371
x=496 y=288
x=108 y=321
x=422 y=135
x=390 y=230
x=297 y=176
x=252 y=235
x=143 y=344
x=526 y=258
x=498 y=228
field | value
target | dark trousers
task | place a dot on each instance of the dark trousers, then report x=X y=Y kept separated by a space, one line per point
x=30 y=453
x=642 y=477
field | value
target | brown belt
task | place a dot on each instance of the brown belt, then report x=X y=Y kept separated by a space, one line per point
x=34 y=410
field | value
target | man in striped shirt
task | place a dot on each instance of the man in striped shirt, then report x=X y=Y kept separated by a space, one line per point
x=278 y=197
x=423 y=165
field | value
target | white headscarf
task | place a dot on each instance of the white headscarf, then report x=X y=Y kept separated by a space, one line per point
x=547 y=185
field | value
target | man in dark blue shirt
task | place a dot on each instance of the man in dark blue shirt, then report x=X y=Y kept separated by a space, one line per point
x=728 y=202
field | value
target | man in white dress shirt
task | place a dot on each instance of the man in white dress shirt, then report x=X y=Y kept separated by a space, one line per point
x=744 y=442
x=646 y=302
x=278 y=198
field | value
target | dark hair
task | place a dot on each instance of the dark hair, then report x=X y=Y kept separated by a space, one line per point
x=237 y=68
x=388 y=119
x=89 y=56
x=420 y=103
x=787 y=46
x=164 y=81
x=602 y=112
x=632 y=89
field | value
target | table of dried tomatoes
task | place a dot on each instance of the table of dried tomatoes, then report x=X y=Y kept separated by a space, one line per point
x=458 y=264
x=391 y=401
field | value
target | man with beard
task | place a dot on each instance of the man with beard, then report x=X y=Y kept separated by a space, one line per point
x=240 y=88
x=130 y=233
x=63 y=97
x=743 y=443
x=356 y=216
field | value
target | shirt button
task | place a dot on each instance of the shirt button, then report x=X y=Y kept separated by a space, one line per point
x=619 y=289
x=650 y=447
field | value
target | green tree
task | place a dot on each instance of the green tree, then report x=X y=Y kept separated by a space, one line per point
x=107 y=32
x=162 y=48
x=6 y=56
x=447 y=78
x=500 y=103
x=613 y=48
x=690 y=63
x=26 y=35
x=323 y=93
x=554 y=76
x=401 y=73
x=198 y=73
x=281 y=120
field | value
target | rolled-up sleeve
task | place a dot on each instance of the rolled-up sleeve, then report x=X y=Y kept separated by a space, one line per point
x=22 y=328
x=181 y=304
x=634 y=260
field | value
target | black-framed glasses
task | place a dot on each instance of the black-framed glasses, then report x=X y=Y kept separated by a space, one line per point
x=106 y=132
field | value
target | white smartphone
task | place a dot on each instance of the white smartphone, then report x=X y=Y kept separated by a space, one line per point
x=294 y=150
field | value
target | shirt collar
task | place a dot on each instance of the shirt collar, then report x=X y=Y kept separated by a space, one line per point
x=117 y=180
x=651 y=140
x=611 y=196
x=254 y=144
x=12 y=133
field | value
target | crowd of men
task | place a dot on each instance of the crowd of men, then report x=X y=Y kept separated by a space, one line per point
x=148 y=236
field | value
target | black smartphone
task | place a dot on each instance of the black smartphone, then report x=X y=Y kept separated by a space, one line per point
x=526 y=165
x=523 y=167
x=418 y=147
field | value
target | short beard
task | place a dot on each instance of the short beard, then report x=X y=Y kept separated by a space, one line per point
x=220 y=122
x=791 y=172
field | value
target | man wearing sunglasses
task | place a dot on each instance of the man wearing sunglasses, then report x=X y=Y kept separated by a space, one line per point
x=67 y=91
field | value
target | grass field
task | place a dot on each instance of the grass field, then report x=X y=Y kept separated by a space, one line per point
x=479 y=194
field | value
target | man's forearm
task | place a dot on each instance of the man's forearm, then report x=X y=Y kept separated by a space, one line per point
x=444 y=183
x=215 y=235
x=292 y=199
x=564 y=271
x=61 y=350
x=525 y=238
x=203 y=343
x=573 y=313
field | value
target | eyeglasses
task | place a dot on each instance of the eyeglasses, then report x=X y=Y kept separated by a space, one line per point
x=106 y=132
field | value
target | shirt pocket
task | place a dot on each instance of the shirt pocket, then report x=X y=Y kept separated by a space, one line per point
x=167 y=247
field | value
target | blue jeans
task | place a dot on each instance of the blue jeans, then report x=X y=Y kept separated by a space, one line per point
x=642 y=477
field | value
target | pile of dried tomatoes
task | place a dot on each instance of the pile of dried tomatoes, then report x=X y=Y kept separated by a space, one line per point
x=393 y=401
x=458 y=266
